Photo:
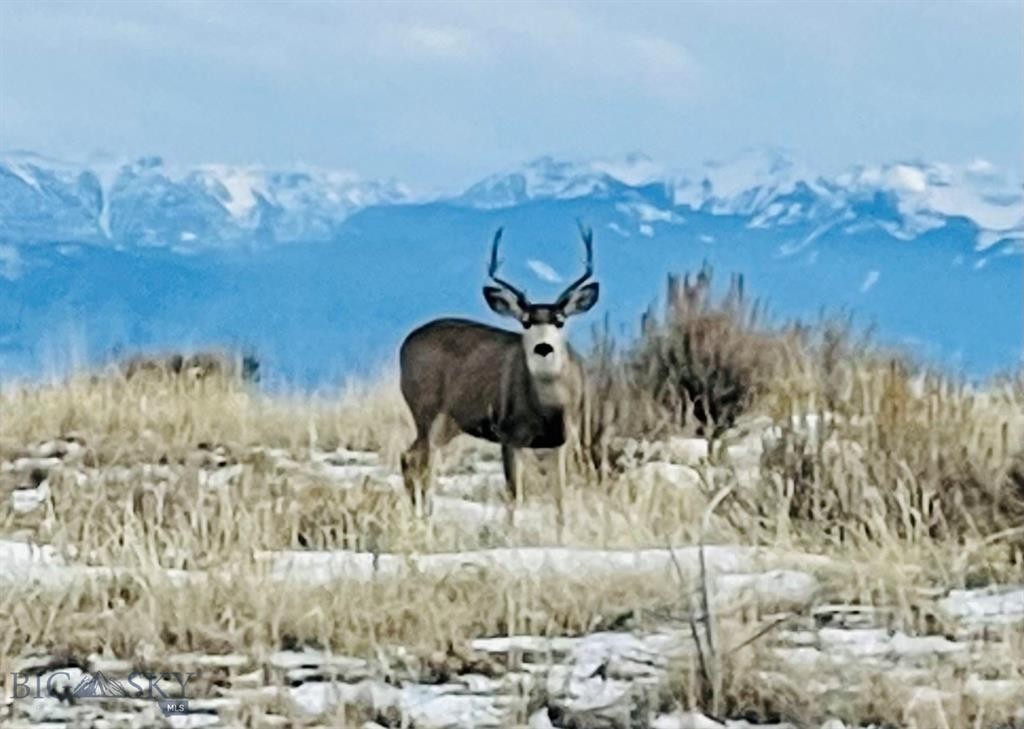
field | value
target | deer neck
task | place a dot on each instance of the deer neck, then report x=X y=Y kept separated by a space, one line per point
x=547 y=390
x=550 y=392
x=544 y=392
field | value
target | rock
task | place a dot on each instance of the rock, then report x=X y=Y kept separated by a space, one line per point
x=540 y=720
x=24 y=501
x=478 y=486
x=858 y=643
x=108 y=666
x=659 y=480
x=469 y=517
x=994 y=690
x=25 y=553
x=986 y=606
x=439 y=706
x=811 y=424
x=313 y=567
x=49 y=449
x=748 y=478
x=231 y=661
x=346 y=457
x=220 y=477
x=28 y=465
x=555 y=647
x=685 y=720
x=684 y=479
x=321 y=664
x=746 y=454
x=929 y=697
x=773 y=590
x=921 y=646
x=687 y=451
x=850 y=616
x=192 y=721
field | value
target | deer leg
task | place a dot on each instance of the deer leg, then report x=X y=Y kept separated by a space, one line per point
x=563 y=454
x=415 y=471
x=513 y=480
x=441 y=432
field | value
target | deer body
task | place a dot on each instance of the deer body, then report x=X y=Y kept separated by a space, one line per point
x=522 y=390
x=477 y=376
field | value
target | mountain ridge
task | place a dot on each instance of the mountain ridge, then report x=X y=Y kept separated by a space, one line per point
x=322 y=273
x=148 y=202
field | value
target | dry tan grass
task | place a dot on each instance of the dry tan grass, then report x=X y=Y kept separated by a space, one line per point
x=154 y=419
x=144 y=617
x=913 y=484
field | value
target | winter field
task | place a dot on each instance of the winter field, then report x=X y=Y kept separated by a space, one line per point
x=845 y=551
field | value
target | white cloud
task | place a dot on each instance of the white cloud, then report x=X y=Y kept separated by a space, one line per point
x=440 y=41
x=10 y=262
x=654 y=66
x=616 y=228
x=544 y=271
x=446 y=92
x=869 y=281
x=980 y=166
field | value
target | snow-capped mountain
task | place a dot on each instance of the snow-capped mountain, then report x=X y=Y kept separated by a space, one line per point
x=323 y=272
x=548 y=178
x=905 y=198
x=149 y=203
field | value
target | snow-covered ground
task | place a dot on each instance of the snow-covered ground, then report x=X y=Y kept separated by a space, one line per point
x=607 y=677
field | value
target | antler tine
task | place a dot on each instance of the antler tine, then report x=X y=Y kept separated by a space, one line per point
x=492 y=269
x=588 y=243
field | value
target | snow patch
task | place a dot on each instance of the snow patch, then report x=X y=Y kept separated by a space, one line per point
x=243 y=185
x=647 y=213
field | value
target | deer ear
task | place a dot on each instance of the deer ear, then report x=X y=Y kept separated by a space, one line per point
x=504 y=302
x=579 y=300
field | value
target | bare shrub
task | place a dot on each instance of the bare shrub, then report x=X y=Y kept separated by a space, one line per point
x=696 y=370
x=908 y=454
x=706 y=356
x=195 y=367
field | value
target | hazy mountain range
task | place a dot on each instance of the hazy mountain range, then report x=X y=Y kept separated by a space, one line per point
x=323 y=272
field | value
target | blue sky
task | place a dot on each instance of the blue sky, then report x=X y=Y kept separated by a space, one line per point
x=440 y=95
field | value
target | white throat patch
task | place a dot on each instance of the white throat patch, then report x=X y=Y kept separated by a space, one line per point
x=547 y=359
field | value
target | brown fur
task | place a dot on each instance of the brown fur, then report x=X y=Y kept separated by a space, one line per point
x=459 y=376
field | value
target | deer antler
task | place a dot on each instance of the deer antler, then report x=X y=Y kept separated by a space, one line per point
x=492 y=269
x=588 y=243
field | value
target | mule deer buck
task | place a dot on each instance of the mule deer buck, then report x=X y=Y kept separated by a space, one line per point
x=522 y=390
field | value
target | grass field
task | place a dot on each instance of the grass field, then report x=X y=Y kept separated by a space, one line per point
x=886 y=504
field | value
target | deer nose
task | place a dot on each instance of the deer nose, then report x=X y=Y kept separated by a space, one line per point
x=543 y=349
